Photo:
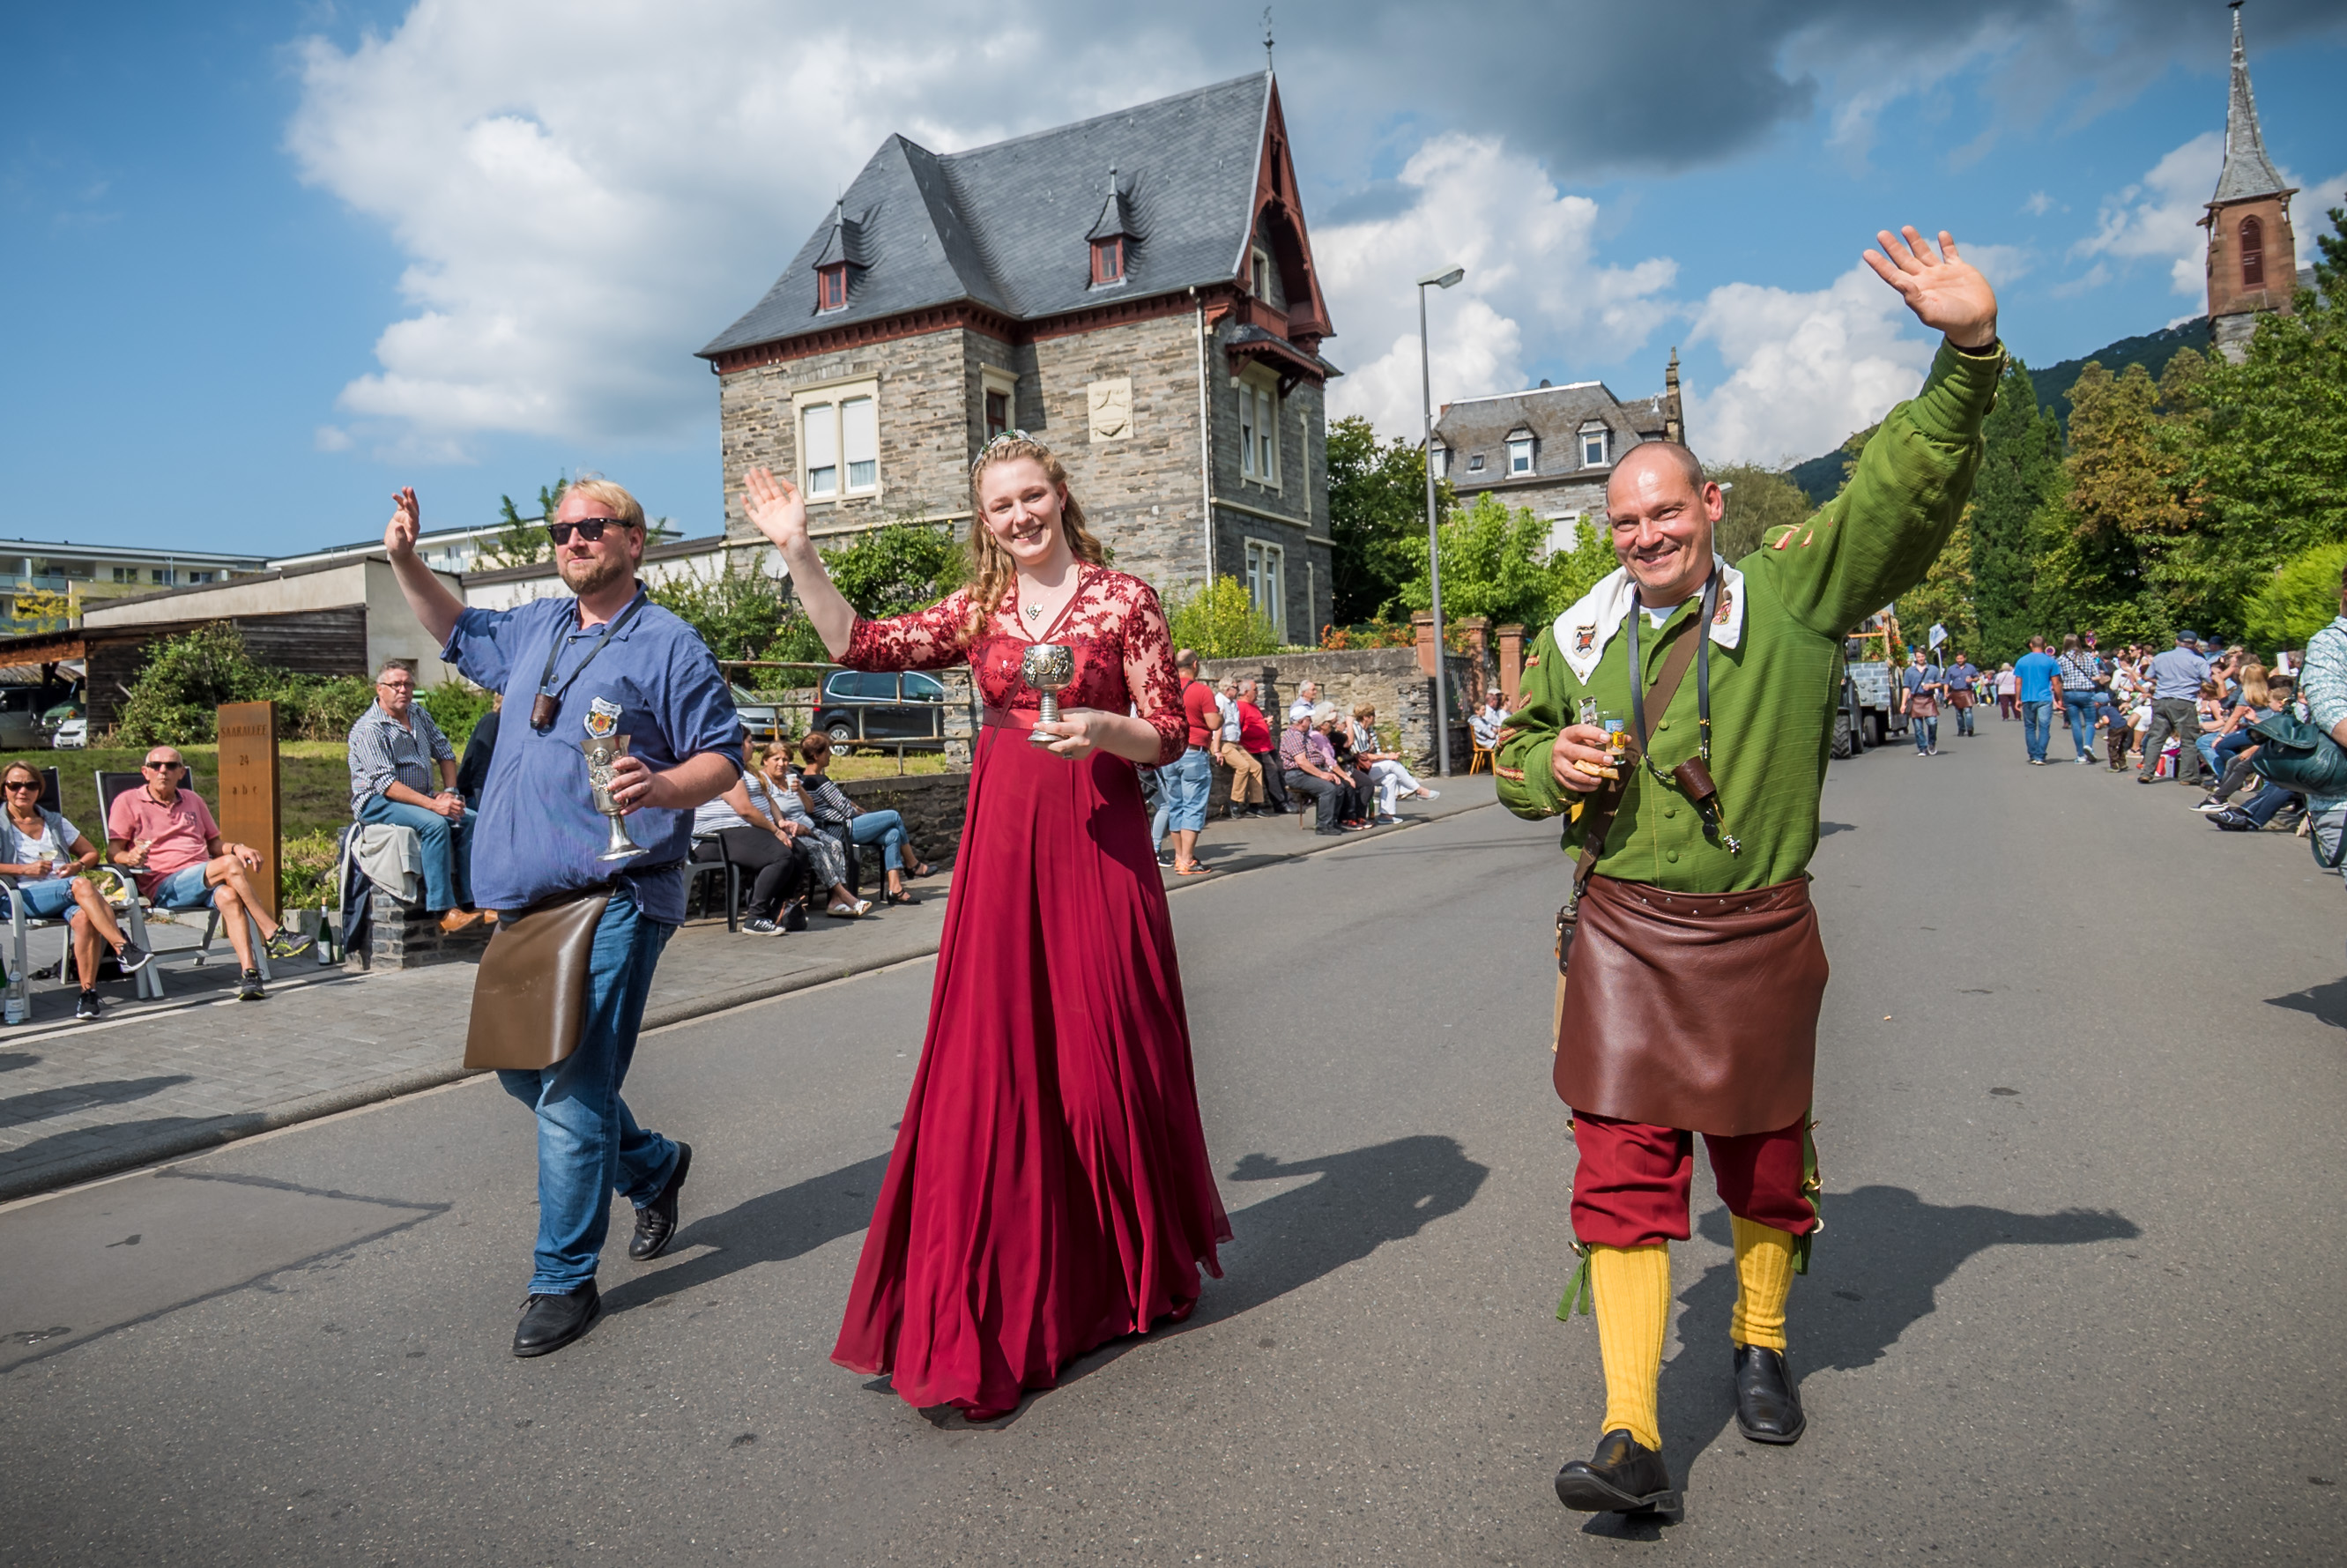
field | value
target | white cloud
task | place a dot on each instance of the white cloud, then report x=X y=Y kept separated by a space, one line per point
x=2038 y=205
x=332 y=438
x=1804 y=370
x=1533 y=286
x=2157 y=218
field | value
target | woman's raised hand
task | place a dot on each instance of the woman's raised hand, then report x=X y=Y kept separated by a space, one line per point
x=775 y=510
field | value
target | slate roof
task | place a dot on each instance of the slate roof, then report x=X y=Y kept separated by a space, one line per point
x=2249 y=172
x=1006 y=226
x=1554 y=415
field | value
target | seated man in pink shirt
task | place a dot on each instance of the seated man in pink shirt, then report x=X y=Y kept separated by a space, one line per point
x=166 y=835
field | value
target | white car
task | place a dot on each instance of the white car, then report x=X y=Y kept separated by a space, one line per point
x=71 y=735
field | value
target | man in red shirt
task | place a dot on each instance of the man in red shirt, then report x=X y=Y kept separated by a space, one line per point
x=1189 y=780
x=1247 y=774
x=1255 y=739
x=166 y=835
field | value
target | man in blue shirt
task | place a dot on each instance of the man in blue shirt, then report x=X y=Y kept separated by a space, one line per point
x=1964 y=677
x=1925 y=685
x=2036 y=671
x=2176 y=678
x=606 y=661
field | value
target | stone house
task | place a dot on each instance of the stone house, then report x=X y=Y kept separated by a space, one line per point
x=1551 y=449
x=1136 y=289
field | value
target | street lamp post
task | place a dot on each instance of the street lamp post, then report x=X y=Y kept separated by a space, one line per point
x=1442 y=279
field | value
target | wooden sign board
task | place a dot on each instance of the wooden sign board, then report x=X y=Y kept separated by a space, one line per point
x=248 y=789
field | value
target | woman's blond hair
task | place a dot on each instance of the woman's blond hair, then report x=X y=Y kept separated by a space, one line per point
x=2256 y=689
x=992 y=573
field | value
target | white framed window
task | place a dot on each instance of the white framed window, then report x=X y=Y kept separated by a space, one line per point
x=840 y=441
x=1259 y=429
x=1266 y=582
x=1442 y=460
x=1259 y=276
x=1520 y=455
x=1594 y=444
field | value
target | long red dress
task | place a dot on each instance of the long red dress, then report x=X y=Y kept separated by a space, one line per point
x=1050 y=1189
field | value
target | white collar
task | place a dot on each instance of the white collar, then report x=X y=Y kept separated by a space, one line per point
x=1584 y=630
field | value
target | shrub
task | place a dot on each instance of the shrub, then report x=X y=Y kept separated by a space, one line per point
x=305 y=865
x=455 y=707
x=320 y=707
x=186 y=678
x=1220 y=621
x=2297 y=601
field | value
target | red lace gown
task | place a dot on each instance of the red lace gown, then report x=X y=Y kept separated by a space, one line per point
x=1050 y=1189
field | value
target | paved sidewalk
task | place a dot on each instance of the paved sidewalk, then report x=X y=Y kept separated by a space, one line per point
x=151 y=1081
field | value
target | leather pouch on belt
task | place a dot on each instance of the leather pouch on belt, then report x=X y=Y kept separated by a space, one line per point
x=529 y=999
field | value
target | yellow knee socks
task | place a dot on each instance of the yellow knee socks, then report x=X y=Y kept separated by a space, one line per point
x=1764 y=1274
x=1633 y=1288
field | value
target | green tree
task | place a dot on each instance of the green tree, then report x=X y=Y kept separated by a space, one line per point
x=740 y=613
x=1757 y=499
x=2265 y=447
x=524 y=541
x=186 y=677
x=2020 y=471
x=1496 y=563
x=2124 y=507
x=1376 y=519
x=2297 y=601
x=1945 y=596
x=900 y=567
x=1220 y=621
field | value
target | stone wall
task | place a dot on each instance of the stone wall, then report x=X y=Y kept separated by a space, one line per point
x=403 y=937
x=1388 y=679
x=933 y=807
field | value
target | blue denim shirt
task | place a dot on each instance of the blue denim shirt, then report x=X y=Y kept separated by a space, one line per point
x=538 y=832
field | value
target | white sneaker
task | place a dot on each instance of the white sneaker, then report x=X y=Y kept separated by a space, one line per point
x=1434 y=794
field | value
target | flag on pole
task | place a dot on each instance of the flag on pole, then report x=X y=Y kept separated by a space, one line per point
x=1939 y=634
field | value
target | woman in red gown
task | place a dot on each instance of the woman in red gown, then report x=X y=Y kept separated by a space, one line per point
x=1050 y=1189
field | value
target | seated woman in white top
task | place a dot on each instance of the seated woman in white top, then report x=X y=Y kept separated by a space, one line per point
x=1387 y=776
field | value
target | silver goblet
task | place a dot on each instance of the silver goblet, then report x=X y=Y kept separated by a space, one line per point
x=602 y=751
x=1049 y=668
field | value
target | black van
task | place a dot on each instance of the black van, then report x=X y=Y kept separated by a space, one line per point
x=881 y=705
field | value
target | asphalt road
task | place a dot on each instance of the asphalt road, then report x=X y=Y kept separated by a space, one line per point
x=2078 y=1299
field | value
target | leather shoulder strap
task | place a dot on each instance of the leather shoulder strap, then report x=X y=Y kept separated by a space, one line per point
x=1658 y=702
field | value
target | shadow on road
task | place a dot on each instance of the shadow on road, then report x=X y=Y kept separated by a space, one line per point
x=43 y=1103
x=773 y=1227
x=1879 y=1267
x=2326 y=1002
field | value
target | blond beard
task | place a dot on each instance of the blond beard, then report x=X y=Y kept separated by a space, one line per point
x=599 y=573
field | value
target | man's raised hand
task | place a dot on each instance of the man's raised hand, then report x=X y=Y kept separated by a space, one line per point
x=1946 y=292
x=406 y=522
x=775 y=510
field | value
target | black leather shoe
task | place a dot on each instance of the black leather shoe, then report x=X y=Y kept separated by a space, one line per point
x=550 y=1322
x=1625 y=1477
x=656 y=1221
x=1768 y=1406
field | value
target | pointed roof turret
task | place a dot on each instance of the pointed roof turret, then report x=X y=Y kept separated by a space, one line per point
x=846 y=242
x=1116 y=217
x=2249 y=172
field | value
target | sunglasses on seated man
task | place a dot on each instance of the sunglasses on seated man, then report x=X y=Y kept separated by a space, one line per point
x=166 y=767
x=587 y=528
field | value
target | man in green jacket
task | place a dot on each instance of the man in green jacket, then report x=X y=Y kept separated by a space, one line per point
x=1696 y=967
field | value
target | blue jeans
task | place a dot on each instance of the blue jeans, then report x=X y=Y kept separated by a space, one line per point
x=447 y=848
x=1965 y=718
x=1189 y=780
x=1926 y=730
x=886 y=826
x=45 y=899
x=588 y=1145
x=2037 y=727
x=2080 y=707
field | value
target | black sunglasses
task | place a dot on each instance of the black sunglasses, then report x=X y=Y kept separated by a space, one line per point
x=24 y=783
x=166 y=767
x=589 y=528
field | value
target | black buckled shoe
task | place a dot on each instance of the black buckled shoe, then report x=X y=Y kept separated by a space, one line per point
x=550 y=1322
x=656 y=1221
x=1624 y=1477
x=1768 y=1406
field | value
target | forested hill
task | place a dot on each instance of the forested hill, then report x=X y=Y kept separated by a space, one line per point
x=1820 y=477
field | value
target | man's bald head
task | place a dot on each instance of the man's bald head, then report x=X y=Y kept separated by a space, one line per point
x=1661 y=511
x=1667 y=452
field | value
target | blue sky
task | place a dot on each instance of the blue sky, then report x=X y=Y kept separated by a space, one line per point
x=267 y=261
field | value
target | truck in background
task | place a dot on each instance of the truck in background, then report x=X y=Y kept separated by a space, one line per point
x=1868 y=715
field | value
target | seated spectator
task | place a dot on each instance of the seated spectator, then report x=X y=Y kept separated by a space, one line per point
x=395 y=747
x=1359 y=793
x=1308 y=767
x=1255 y=740
x=1387 y=776
x=2238 y=751
x=850 y=824
x=1307 y=697
x=1247 y=771
x=169 y=838
x=756 y=835
x=1484 y=722
x=2220 y=742
x=47 y=854
x=474 y=770
x=830 y=859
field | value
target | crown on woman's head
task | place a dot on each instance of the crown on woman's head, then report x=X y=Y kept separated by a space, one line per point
x=1009 y=437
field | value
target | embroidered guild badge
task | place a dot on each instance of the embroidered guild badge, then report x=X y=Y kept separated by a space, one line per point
x=602 y=718
x=1585 y=638
x=1727 y=606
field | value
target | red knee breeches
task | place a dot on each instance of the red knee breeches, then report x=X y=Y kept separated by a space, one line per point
x=1631 y=1187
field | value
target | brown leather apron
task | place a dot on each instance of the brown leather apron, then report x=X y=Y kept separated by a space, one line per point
x=1697 y=1010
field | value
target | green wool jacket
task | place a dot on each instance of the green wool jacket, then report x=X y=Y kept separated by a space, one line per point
x=1774 y=696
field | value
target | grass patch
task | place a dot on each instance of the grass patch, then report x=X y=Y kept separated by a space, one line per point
x=314 y=778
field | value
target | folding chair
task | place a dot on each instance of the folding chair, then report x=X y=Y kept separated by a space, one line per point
x=698 y=866
x=113 y=785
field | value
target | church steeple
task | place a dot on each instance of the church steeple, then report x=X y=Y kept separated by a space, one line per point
x=2252 y=256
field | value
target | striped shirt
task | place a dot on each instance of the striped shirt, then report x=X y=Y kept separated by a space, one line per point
x=829 y=804
x=384 y=752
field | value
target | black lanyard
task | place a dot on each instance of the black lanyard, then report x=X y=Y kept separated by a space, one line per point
x=1702 y=677
x=547 y=705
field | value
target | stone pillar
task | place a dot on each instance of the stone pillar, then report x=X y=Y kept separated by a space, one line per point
x=1422 y=623
x=404 y=937
x=1511 y=665
x=960 y=716
x=1475 y=632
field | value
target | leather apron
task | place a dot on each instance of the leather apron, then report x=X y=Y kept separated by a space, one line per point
x=1694 y=1010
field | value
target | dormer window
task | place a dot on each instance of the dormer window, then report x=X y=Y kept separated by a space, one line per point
x=1108 y=260
x=1596 y=444
x=1442 y=461
x=1520 y=455
x=1112 y=234
x=1475 y=464
x=830 y=287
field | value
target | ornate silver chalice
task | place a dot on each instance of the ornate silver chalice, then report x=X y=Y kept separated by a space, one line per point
x=602 y=751
x=1049 y=668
